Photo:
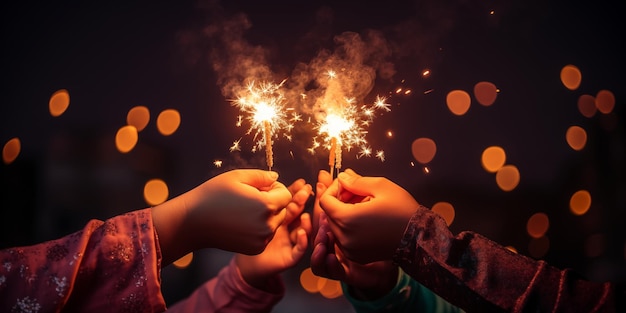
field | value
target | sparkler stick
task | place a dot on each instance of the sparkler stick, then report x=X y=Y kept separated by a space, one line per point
x=269 y=154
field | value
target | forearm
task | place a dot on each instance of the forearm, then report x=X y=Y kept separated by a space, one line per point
x=168 y=220
x=487 y=276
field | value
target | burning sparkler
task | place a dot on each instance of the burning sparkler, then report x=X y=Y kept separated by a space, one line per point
x=265 y=105
x=344 y=126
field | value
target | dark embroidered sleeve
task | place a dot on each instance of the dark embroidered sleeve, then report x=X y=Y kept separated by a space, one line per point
x=480 y=275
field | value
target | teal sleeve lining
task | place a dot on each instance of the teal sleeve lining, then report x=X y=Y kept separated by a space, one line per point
x=407 y=296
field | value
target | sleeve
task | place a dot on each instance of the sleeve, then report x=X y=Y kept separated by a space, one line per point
x=477 y=274
x=110 y=266
x=407 y=296
x=228 y=292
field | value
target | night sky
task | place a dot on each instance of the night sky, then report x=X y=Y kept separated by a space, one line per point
x=189 y=56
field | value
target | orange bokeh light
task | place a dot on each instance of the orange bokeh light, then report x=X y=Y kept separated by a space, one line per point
x=507 y=177
x=538 y=247
x=576 y=137
x=11 y=150
x=168 y=122
x=493 y=158
x=587 y=105
x=537 y=225
x=184 y=261
x=139 y=117
x=458 y=102
x=580 y=202
x=126 y=138
x=445 y=210
x=605 y=101
x=308 y=280
x=485 y=93
x=571 y=77
x=59 y=102
x=424 y=150
x=155 y=191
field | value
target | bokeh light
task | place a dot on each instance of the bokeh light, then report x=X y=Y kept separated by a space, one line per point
x=184 y=261
x=458 y=102
x=329 y=288
x=587 y=105
x=168 y=122
x=571 y=77
x=580 y=202
x=576 y=137
x=59 y=102
x=139 y=117
x=538 y=247
x=445 y=210
x=424 y=150
x=537 y=225
x=485 y=93
x=493 y=158
x=126 y=138
x=11 y=150
x=308 y=280
x=507 y=177
x=155 y=191
x=605 y=101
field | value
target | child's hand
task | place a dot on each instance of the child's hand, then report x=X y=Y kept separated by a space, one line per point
x=287 y=247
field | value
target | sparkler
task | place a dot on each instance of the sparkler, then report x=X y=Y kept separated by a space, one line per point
x=265 y=106
x=344 y=126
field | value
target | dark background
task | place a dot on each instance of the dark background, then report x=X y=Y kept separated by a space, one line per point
x=112 y=56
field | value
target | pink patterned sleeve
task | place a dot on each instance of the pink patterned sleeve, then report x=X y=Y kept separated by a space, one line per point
x=110 y=266
x=229 y=292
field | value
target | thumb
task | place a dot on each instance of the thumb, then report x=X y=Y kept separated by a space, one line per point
x=259 y=178
x=355 y=184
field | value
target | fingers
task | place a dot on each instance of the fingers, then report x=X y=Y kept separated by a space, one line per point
x=296 y=206
x=296 y=185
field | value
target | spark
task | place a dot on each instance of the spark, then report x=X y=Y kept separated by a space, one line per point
x=380 y=154
x=217 y=163
x=235 y=146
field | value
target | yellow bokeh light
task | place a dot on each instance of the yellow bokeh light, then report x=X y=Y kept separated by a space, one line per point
x=309 y=281
x=139 y=117
x=155 y=191
x=580 y=202
x=168 y=122
x=587 y=105
x=59 y=102
x=605 y=101
x=11 y=150
x=424 y=150
x=445 y=210
x=576 y=137
x=493 y=158
x=126 y=138
x=537 y=225
x=458 y=101
x=184 y=261
x=507 y=177
x=571 y=77
x=485 y=93
x=538 y=247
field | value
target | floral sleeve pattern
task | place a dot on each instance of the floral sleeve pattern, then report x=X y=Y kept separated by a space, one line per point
x=110 y=265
